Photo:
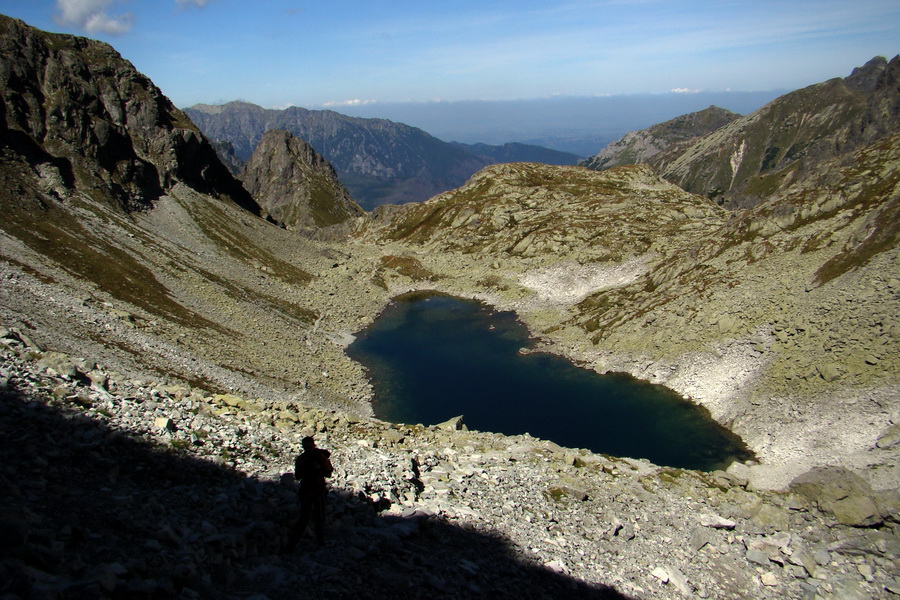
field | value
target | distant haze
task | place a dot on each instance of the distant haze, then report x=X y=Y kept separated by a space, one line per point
x=581 y=125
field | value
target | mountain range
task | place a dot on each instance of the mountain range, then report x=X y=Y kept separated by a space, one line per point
x=380 y=161
x=167 y=337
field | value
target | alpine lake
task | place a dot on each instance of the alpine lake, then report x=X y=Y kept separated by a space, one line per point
x=432 y=357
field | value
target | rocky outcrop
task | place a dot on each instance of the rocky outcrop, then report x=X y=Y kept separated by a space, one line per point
x=294 y=185
x=639 y=147
x=378 y=160
x=80 y=117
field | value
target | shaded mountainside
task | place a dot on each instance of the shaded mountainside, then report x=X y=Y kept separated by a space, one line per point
x=761 y=154
x=379 y=161
x=638 y=147
x=294 y=185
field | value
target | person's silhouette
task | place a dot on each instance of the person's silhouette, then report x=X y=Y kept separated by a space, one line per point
x=311 y=467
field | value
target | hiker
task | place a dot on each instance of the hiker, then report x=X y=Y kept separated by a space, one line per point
x=311 y=467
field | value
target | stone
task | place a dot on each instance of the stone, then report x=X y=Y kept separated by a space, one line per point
x=164 y=423
x=700 y=537
x=858 y=511
x=679 y=581
x=769 y=579
x=661 y=574
x=829 y=372
x=767 y=518
x=780 y=540
x=740 y=471
x=795 y=571
x=59 y=363
x=716 y=522
x=801 y=557
x=454 y=424
x=98 y=378
x=847 y=589
x=890 y=437
x=758 y=557
x=840 y=492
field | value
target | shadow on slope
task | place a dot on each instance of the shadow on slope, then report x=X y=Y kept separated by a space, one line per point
x=91 y=511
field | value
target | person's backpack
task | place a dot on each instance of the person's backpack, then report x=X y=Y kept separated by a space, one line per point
x=326 y=463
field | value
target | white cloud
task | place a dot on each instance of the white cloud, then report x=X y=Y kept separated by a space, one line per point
x=200 y=3
x=93 y=16
x=354 y=102
x=684 y=91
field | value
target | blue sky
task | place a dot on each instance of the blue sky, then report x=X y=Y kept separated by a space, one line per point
x=282 y=52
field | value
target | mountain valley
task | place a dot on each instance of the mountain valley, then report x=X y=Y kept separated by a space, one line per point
x=155 y=310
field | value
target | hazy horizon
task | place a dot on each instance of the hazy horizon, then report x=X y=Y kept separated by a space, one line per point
x=544 y=120
x=579 y=125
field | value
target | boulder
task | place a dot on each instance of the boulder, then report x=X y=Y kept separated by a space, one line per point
x=890 y=437
x=454 y=424
x=840 y=492
x=716 y=522
x=59 y=363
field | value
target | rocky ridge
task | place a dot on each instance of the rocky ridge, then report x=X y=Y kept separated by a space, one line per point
x=196 y=504
x=759 y=155
x=638 y=147
x=294 y=185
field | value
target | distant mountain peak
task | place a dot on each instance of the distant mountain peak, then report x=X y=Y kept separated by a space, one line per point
x=740 y=161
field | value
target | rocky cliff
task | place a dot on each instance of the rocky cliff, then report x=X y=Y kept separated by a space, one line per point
x=81 y=117
x=379 y=161
x=639 y=147
x=294 y=185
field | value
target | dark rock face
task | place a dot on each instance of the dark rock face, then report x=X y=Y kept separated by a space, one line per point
x=83 y=117
x=380 y=161
x=294 y=185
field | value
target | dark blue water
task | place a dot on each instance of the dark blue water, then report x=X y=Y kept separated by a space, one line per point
x=431 y=358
